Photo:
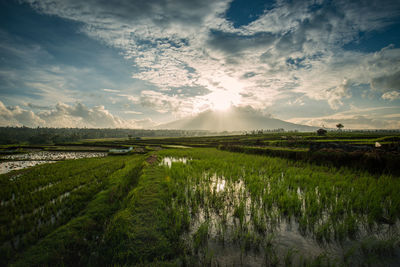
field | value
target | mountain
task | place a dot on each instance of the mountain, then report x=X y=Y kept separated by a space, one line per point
x=233 y=119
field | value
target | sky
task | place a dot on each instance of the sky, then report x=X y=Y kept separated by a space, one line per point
x=137 y=64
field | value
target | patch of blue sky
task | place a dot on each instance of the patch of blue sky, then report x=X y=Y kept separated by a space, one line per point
x=369 y=42
x=296 y=63
x=243 y=12
x=19 y=92
x=62 y=40
x=363 y=96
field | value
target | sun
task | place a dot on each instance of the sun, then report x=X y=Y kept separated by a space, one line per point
x=221 y=100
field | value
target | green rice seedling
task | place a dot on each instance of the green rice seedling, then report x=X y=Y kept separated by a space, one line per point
x=82 y=233
x=288 y=259
x=352 y=226
x=320 y=260
x=381 y=248
x=323 y=232
x=325 y=202
x=200 y=237
x=259 y=222
x=239 y=213
x=270 y=256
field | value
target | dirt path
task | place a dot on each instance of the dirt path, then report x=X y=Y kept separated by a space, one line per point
x=152 y=159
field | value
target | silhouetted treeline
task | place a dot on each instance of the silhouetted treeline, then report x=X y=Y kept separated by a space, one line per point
x=15 y=135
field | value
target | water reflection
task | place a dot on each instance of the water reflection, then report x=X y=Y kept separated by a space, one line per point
x=50 y=155
x=18 y=165
x=21 y=161
x=167 y=161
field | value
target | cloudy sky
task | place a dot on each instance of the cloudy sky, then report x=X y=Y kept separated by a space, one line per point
x=134 y=63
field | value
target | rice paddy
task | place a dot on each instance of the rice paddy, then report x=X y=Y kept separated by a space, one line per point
x=268 y=211
x=21 y=161
x=198 y=207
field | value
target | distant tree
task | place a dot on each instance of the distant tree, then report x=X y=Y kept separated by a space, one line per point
x=321 y=132
x=339 y=126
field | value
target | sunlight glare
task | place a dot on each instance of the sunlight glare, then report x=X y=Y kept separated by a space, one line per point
x=220 y=101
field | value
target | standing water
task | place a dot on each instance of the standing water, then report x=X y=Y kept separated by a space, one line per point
x=22 y=161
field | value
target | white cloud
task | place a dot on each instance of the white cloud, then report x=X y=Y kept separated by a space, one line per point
x=111 y=90
x=163 y=103
x=143 y=123
x=296 y=47
x=356 y=118
x=16 y=116
x=63 y=115
x=335 y=95
x=393 y=95
x=133 y=112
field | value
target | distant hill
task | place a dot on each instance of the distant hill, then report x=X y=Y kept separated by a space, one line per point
x=234 y=119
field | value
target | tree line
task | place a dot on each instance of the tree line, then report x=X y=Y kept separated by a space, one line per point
x=16 y=135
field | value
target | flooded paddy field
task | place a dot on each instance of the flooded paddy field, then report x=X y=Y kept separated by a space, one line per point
x=7 y=166
x=260 y=211
x=198 y=207
x=33 y=158
x=37 y=201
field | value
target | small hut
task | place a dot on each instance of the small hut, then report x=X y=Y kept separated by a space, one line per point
x=321 y=132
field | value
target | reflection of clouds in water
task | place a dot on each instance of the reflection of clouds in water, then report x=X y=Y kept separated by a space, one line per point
x=167 y=161
x=36 y=158
x=46 y=155
x=220 y=185
x=17 y=165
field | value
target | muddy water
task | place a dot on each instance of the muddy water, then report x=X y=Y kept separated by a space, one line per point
x=22 y=161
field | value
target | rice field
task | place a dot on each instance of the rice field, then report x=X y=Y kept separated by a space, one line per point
x=198 y=207
x=270 y=211
x=21 y=161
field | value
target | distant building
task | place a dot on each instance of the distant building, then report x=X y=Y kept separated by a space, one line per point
x=321 y=132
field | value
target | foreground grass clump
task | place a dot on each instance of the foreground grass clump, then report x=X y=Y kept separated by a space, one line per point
x=78 y=242
x=261 y=207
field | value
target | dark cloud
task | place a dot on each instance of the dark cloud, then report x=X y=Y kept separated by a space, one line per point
x=387 y=82
x=232 y=43
x=160 y=12
x=188 y=91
